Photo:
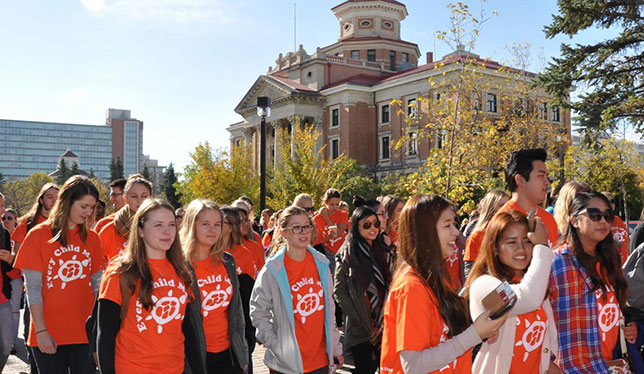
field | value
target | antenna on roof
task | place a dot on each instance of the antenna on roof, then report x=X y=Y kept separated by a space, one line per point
x=294 y=27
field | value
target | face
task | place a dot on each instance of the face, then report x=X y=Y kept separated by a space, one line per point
x=9 y=220
x=226 y=228
x=81 y=210
x=265 y=217
x=537 y=187
x=49 y=199
x=246 y=225
x=589 y=230
x=382 y=216
x=332 y=204
x=447 y=231
x=100 y=210
x=137 y=194
x=307 y=205
x=159 y=231
x=297 y=231
x=116 y=197
x=371 y=232
x=395 y=217
x=501 y=203
x=208 y=227
x=514 y=249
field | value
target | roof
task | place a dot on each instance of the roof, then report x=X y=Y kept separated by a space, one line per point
x=69 y=153
x=363 y=1
x=369 y=38
x=292 y=84
x=362 y=79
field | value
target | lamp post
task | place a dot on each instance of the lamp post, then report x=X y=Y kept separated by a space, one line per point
x=263 y=111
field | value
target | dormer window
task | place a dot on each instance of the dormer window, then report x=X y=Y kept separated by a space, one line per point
x=387 y=25
x=365 y=23
x=347 y=26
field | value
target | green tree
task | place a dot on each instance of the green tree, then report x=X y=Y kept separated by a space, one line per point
x=116 y=169
x=169 y=189
x=146 y=172
x=63 y=172
x=2 y=181
x=609 y=72
x=75 y=169
x=91 y=174
x=20 y=194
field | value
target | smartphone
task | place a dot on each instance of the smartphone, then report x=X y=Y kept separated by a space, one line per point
x=500 y=300
x=531 y=221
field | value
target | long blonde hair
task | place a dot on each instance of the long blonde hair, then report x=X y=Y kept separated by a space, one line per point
x=278 y=240
x=188 y=232
x=75 y=188
x=564 y=203
x=487 y=207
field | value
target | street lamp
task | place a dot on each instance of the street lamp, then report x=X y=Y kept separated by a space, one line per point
x=263 y=111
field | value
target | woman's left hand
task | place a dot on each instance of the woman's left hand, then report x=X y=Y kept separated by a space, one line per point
x=630 y=332
x=340 y=359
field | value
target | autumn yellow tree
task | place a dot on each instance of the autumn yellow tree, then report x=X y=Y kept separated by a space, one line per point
x=20 y=194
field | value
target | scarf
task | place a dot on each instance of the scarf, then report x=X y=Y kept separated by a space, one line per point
x=123 y=220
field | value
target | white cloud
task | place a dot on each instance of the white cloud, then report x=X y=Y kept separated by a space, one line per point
x=93 y=5
x=172 y=11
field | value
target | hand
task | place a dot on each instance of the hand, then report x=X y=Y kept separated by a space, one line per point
x=340 y=359
x=630 y=332
x=6 y=256
x=245 y=369
x=486 y=327
x=540 y=233
x=46 y=343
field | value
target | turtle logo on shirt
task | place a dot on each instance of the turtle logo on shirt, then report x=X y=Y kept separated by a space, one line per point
x=443 y=338
x=532 y=337
x=619 y=234
x=608 y=314
x=166 y=309
x=70 y=270
x=309 y=302
x=217 y=298
x=453 y=257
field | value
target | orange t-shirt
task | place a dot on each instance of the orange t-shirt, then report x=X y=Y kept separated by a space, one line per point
x=608 y=314
x=339 y=217
x=18 y=235
x=308 y=308
x=258 y=238
x=393 y=235
x=257 y=251
x=113 y=244
x=528 y=339
x=453 y=267
x=620 y=234
x=216 y=292
x=244 y=260
x=547 y=218
x=473 y=245
x=66 y=290
x=413 y=322
x=150 y=341
x=266 y=240
x=103 y=222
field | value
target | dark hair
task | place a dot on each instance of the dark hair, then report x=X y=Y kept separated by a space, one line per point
x=331 y=193
x=390 y=202
x=607 y=251
x=359 y=201
x=101 y=203
x=420 y=249
x=521 y=164
x=118 y=183
x=247 y=200
x=232 y=217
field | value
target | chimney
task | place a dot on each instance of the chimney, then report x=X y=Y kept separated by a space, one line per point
x=430 y=57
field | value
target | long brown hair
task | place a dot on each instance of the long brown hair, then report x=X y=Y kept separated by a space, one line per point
x=75 y=188
x=607 y=251
x=390 y=202
x=133 y=265
x=32 y=216
x=420 y=249
x=488 y=206
x=488 y=262
x=188 y=235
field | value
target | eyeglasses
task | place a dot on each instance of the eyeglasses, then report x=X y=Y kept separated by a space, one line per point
x=114 y=194
x=367 y=225
x=299 y=229
x=596 y=215
x=7 y=218
x=309 y=209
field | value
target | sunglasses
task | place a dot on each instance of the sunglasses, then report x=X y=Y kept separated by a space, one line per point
x=309 y=209
x=367 y=225
x=299 y=229
x=7 y=218
x=596 y=215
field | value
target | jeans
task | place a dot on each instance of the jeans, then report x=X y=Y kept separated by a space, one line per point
x=6 y=331
x=16 y=297
x=70 y=358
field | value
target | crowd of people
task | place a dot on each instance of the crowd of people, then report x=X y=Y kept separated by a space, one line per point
x=389 y=285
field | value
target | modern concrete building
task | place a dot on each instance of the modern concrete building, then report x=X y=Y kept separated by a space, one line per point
x=346 y=90
x=156 y=172
x=30 y=147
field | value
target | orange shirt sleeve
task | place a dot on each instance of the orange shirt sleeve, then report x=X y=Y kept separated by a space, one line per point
x=266 y=240
x=320 y=225
x=473 y=245
x=18 y=235
x=111 y=288
x=30 y=254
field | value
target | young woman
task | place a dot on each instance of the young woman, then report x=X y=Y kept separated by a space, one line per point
x=292 y=305
x=61 y=261
x=510 y=252
x=215 y=270
x=426 y=323
x=146 y=320
x=331 y=222
x=114 y=235
x=10 y=220
x=360 y=287
x=249 y=240
x=586 y=274
x=393 y=205
x=389 y=249
x=489 y=205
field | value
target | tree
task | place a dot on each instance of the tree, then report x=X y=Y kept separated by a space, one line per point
x=303 y=169
x=91 y=174
x=2 y=181
x=221 y=176
x=169 y=189
x=75 y=170
x=146 y=172
x=116 y=169
x=609 y=72
x=63 y=172
x=20 y=194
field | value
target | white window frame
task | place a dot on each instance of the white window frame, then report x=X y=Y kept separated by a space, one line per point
x=412 y=113
x=331 y=140
x=412 y=138
x=556 y=109
x=352 y=56
x=331 y=109
x=380 y=120
x=381 y=147
x=487 y=102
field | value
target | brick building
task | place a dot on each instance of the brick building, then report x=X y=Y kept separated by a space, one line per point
x=346 y=90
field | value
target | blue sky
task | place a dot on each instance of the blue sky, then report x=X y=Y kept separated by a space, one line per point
x=182 y=66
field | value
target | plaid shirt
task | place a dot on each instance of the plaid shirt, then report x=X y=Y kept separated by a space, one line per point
x=575 y=309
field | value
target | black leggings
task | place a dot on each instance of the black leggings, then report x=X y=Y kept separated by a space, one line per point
x=222 y=363
x=365 y=358
x=71 y=358
x=322 y=370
